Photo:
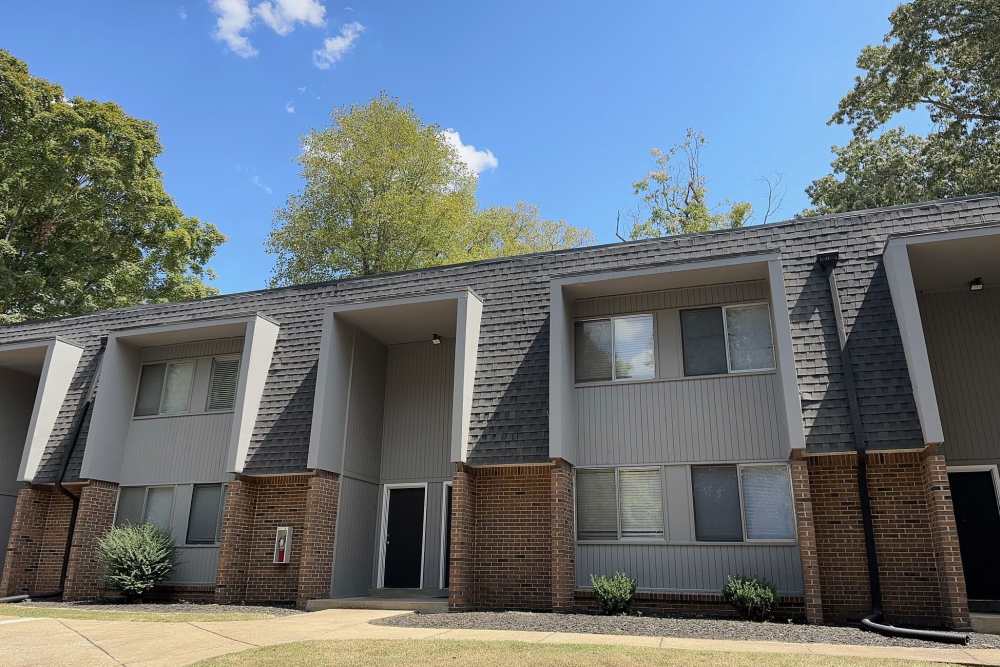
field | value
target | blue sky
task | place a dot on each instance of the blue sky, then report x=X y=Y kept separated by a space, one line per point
x=566 y=97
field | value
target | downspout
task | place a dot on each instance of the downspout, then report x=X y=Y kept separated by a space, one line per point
x=828 y=262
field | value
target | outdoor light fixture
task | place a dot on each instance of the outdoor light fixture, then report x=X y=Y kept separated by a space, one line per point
x=976 y=285
x=435 y=339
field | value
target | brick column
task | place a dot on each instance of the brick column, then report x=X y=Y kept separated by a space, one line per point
x=461 y=584
x=808 y=553
x=951 y=578
x=316 y=567
x=85 y=575
x=563 y=542
x=37 y=543
x=237 y=537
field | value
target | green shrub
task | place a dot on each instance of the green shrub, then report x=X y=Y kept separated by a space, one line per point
x=753 y=598
x=136 y=557
x=614 y=593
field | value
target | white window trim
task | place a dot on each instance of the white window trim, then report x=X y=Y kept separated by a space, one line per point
x=614 y=372
x=445 y=529
x=985 y=467
x=743 y=513
x=211 y=378
x=386 y=488
x=620 y=539
x=725 y=340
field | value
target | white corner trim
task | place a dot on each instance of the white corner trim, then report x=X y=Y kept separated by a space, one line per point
x=258 y=350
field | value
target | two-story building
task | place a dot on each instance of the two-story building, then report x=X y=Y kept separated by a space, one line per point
x=810 y=402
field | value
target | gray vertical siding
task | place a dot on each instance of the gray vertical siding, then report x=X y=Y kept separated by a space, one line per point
x=686 y=297
x=17 y=400
x=363 y=456
x=195 y=565
x=201 y=348
x=961 y=329
x=418 y=396
x=357 y=529
x=732 y=418
x=171 y=450
x=691 y=568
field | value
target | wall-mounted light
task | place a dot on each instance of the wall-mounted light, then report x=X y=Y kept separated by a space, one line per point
x=435 y=339
x=976 y=285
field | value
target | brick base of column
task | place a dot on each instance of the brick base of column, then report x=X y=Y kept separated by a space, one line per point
x=37 y=545
x=951 y=577
x=254 y=508
x=563 y=537
x=808 y=554
x=85 y=574
x=461 y=566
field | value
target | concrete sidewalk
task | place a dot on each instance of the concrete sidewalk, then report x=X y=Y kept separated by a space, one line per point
x=50 y=641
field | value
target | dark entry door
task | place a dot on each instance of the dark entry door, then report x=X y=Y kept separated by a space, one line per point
x=404 y=538
x=978 y=518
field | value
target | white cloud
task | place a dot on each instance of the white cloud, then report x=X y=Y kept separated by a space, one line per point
x=236 y=18
x=282 y=15
x=477 y=160
x=182 y=13
x=260 y=184
x=289 y=107
x=335 y=48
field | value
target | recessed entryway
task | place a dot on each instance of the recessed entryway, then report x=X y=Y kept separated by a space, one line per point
x=403 y=519
x=974 y=493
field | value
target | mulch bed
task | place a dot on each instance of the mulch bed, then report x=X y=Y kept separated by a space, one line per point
x=693 y=628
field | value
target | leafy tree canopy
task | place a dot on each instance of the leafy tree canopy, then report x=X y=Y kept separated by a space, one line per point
x=385 y=192
x=85 y=222
x=674 y=195
x=942 y=56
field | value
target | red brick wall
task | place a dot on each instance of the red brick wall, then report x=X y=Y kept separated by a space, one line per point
x=85 y=574
x=461 y=565
x=808 y=553
x=35 y=551
x=255 y=507
x=951 y=578
x=563 y=537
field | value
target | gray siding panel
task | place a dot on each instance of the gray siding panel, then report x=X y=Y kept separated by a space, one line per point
x=363 y=457
x=961 y=329
x=732 y=418
x=418 y=395
x=17 y=401
x=691 y=568
x=177 y=450
x=357 y=530
x=685 y=297
x=201 y=348
x=195 y=565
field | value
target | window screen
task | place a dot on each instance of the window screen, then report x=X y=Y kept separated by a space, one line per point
x=177 y=388
x=222 y=388
x=634 y=351
x=150 y=385
x=767 y=502
x=596 y=509
x=749 y=331
x=593 y=350
x=716 y=493
x=703 y=340
x=203 y=521
x=130 y=499
x=159 y=504
x=641 y=495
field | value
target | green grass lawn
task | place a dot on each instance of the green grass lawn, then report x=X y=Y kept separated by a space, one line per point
x=112 y=615
x=511 y=654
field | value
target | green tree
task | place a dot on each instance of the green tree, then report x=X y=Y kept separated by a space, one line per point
x=674 y=195
x=85 y=222
x=940 y=56
x=385 y=192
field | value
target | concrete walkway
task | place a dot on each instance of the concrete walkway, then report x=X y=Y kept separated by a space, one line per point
x=50 y=641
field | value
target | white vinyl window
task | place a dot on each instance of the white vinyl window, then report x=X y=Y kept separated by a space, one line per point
x=223 y=384
x=727 y=339
x=737 y=503
x=615 y=348
x=165 y=389
x=619 y=504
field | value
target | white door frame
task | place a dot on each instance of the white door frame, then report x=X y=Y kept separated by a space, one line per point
x=985 y=467
x=383 y=529
x=445 y=530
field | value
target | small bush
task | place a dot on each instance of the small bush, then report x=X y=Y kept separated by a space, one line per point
x=136 y=557
x=614 y=593
x=753 y=598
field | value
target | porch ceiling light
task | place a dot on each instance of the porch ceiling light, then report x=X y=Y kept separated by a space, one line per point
x=976 y=285
x=435 y=339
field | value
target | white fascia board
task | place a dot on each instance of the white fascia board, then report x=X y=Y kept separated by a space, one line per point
x=469 y=318
x=258 y=351
x=896 y=260
x=58 y=369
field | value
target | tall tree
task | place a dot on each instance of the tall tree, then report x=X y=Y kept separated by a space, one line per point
x=85 y=222
x=941 y=56
x=674 y=195
x=386 y=192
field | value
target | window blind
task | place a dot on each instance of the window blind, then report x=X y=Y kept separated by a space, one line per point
x=767 y=503
x=634 y=355
x=703 y=341
x=147 y=401
x=593 y=350
x=130 y=499
x=716 y=491
x=641 y=495
x=596 y=508
x=749 y=331
x=225 y=379
x=159 y=506
x=177 y=388
x=203 y=520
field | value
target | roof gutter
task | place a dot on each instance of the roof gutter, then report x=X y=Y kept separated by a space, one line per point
x=827 y=261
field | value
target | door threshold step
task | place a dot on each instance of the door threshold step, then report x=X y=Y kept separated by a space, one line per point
x=424 y=604
x=985 y=623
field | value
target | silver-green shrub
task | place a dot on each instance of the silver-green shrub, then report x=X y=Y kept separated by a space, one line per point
x=136 y=557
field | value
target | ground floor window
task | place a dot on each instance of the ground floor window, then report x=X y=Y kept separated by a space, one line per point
x=189 y=511
x=619 y=503
x=736 y=503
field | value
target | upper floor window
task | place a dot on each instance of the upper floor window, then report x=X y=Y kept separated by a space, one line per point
x=615 y=348
x=222 y=387
x=166 y=388
x=727 y=339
